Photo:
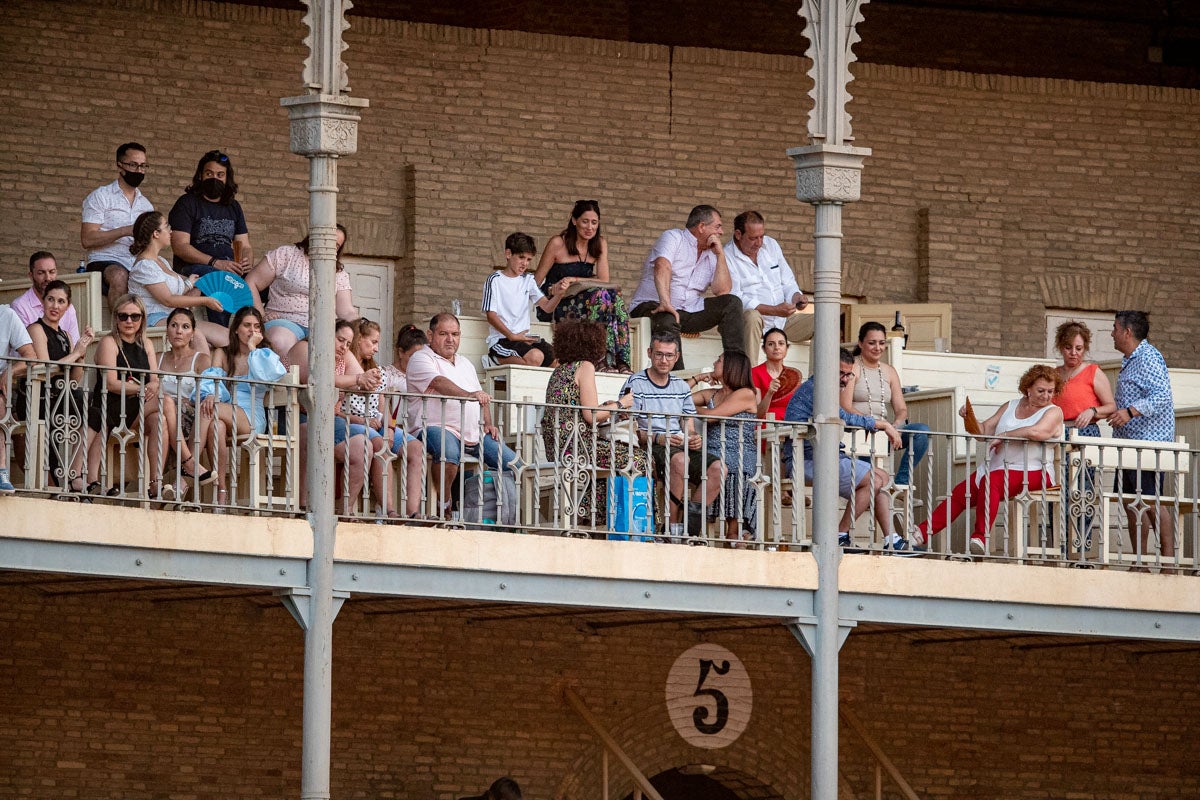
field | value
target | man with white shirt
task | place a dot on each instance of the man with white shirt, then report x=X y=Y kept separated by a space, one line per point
x=43 y=269
x=682 y=267
x=763 y=280
x=14 y=341
x=451 y=427
x=108 y=217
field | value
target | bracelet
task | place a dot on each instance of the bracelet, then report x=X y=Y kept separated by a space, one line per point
x=1129 y=411
x=212 y=261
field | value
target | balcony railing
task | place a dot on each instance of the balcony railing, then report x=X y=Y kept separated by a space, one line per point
x=1102 y=501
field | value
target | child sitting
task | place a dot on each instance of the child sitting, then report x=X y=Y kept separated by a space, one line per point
x=508 y=295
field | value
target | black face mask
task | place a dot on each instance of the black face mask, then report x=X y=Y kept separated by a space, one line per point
x=212 y=187
x=134 y=179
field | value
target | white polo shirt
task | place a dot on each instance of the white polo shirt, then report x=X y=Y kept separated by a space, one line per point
x=769 y=282
x=13 y=336
x=108 y=208
x=690 y=274
x=461 y=417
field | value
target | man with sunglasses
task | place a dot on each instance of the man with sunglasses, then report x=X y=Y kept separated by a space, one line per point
x=208 y=228
x=108 y=216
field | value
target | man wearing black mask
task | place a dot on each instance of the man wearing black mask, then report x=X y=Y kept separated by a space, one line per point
x=108 y=216
x=208 y=229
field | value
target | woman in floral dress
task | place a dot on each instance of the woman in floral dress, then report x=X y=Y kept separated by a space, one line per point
x=568 y=427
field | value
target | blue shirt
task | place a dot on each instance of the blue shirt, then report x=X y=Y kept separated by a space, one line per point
x=1144 y=384
x=800 y=409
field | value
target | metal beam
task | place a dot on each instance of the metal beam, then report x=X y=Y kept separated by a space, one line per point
x=1022 y=617
x=567 y=590
x=144 y=563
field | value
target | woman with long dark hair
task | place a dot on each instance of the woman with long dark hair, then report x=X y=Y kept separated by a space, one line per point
x=581 y=253
x=732 y=440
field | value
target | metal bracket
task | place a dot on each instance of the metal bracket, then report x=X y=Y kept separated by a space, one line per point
x=298 y=602
x=805 y=631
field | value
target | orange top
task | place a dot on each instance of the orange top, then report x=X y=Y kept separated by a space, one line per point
x=1079 y=393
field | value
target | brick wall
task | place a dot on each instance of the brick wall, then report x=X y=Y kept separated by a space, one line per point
x=474 y=133
x=120 y=696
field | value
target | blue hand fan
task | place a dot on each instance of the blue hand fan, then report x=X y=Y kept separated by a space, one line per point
x=228 y=289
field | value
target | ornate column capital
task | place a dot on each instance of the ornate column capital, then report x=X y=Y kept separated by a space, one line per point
x=828 y=173
x=324 y=124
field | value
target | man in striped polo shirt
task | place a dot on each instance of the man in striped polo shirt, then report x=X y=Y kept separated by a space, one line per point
x=665 y=418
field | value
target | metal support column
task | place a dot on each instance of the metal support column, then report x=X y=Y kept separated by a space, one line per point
x=324 y=126
x=828 y=174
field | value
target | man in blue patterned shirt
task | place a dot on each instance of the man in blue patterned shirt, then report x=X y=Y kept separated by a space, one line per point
x=1145 y=411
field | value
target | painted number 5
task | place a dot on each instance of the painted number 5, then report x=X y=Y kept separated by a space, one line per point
x=700 y=714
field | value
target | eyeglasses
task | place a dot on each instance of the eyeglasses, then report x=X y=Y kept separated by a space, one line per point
x=216 y=155
x=127 y=317
x=846 y=375
x=664 y=356
x=133 y=166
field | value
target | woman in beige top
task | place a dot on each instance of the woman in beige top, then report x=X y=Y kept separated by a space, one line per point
x=875 y=388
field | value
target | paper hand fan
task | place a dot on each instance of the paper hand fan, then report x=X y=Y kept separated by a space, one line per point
x=789 y=379
x=970 y=422
x=228 y=289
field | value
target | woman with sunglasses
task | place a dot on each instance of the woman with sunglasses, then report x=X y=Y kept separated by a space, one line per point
x=161 y=288
x=128 y=365
x=63 y=404
x=581 y=253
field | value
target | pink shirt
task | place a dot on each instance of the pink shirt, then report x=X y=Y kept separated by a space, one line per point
x=459 y=416
x=289 y=288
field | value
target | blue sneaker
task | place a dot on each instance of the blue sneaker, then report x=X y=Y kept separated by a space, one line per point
x=6 y=486
x=898 y=546
x=844 y=540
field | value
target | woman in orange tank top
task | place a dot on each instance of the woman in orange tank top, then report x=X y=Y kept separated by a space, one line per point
x=1087 y=396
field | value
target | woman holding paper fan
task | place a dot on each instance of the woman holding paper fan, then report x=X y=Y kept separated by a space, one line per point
x=580 y=254
x=1012 y=465
x=285 y=271
x=161 y=288
x=568 y=427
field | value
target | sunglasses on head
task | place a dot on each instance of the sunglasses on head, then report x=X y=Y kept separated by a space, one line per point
x=216 y=155
x=125 y=316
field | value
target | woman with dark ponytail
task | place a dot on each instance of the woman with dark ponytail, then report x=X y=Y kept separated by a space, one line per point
x=161 y=288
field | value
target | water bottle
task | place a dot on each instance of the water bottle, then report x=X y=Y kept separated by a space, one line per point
x=456 y=307
x=82 y=265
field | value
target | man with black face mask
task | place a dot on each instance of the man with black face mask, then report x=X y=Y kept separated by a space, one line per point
x=208 y=229
x=108 y=216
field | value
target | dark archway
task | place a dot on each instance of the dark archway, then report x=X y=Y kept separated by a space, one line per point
x=700 y=782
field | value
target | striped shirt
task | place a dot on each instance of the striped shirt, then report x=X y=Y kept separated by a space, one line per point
x=661 y=406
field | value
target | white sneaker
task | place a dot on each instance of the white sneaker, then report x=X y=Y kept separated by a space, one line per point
x=978 y=546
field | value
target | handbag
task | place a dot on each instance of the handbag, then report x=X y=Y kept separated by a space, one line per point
x=630 y=508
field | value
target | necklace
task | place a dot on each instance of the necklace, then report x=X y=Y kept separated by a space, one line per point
x=863 y=368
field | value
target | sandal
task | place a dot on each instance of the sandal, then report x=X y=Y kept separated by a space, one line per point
x=205 y=478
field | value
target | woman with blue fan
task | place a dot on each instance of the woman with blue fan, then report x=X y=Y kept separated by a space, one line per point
x=161 y=288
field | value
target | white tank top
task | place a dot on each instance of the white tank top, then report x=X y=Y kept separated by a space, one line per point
x=1025 y=457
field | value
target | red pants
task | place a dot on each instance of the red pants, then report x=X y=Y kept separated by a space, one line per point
x=986 y=494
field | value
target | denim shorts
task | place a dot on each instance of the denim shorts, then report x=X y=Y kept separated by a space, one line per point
x=299 y=331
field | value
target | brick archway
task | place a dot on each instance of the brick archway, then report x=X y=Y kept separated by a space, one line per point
x=769 y=762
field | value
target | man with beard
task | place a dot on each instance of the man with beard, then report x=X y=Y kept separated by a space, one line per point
x=28 y=307
x=208 y=229
x=108 y=215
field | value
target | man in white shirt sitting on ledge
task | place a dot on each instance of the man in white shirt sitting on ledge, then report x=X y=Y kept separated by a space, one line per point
x=451 y=427
x=762 y=278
